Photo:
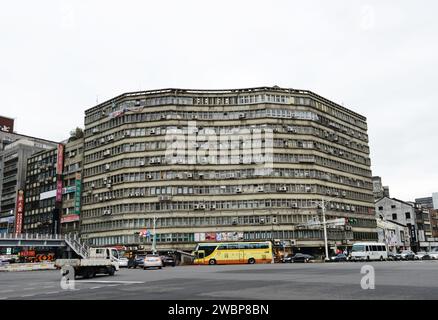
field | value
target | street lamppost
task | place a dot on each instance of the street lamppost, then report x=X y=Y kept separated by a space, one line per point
x=154 y=239
x=323 y=204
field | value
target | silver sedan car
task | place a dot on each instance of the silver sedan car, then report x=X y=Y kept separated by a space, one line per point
x=152 y=261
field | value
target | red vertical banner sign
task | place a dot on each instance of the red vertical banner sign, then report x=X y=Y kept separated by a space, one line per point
x=60 y=160
x=59 y=170
x=19 y=212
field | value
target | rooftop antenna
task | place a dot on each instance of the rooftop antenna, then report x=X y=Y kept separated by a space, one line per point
x=97 y=99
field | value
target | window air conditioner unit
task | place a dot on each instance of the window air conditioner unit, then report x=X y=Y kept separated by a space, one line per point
x=106 y=198
x=107 y=167
x=202 y=206
x=242 y=115
x=141 y=163
x=344 y=193
x=95 y=130
x=262 y=220
x=189 y=175
x=196 y=207
x=294 y=205
x=152 y=131
x=234 y=222
x=101 y=199
x=158 y=160
x=282 y=189
x=212 y=207
x=111 y=137
x=72 y=154
x=353 y=208
x=106 y=212
x=291 y=130
x=238 y=190
x=109 y=185
x=93 y=185
x=137 y=194
x=107 y=152
x=149 y=176
x=308 y=189
x=260 y=189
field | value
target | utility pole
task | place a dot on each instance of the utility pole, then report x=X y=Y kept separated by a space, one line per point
x=325 y=231
x=154 y=239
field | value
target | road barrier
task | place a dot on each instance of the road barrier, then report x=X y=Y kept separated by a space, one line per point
x=14 y=267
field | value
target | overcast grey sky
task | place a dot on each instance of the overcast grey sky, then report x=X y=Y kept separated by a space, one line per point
x=378 y=58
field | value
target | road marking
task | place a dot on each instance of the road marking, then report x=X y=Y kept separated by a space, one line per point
x=52 y=292
x=112 y=285
x=48 y=287
x=27 y=295
x=95 y=288
x=3 y=298
x=118 y=282
x=27 y=289
x=4 y=291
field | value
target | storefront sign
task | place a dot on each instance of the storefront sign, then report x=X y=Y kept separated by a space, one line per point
x=59 y=190
x=78 y=183
x=70 y=218
x=19 y=212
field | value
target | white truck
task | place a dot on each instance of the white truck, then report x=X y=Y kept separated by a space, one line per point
x=99 y=261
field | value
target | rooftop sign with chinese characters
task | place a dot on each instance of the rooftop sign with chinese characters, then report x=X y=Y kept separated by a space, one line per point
x=6 y=124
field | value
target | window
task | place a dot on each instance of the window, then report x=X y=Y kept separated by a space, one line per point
x=408 y=215
x=394 y=216
x=380 y=208
x=393 y=206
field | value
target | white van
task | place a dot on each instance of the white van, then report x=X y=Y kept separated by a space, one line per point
x=367 y=251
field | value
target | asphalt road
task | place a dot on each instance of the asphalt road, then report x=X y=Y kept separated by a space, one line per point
x=393 y=280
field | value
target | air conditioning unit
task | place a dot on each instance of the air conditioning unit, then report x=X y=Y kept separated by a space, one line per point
x=260 y=189
x=106 y=212
x=234 y=222
x=101 y=199
x=158 y=160
x=108 y=185
x=131 y=195
x=93 y=185
x=213 y=207
x=353 y=208
x=152 y=131
x=242 y=115
x=294 y=205
x=110 y=137
x=107 y=198
x=137 y=194
x=107 y=153
x=344 y=193
x=307 y=174
x=282 y=189
x=189 y=175
x=95 y=130
x=163 y=117
x=142 y=163
x=196 y=207
x=151 y=161
x=291 y=130
x=103 y=112
x=308 y=189
x=127 y=133
x=72 y=154
x=149 y=176
x=338 y=207
x=107 y=167
x=238 y=190
x=202 y=206
x=262 y=220
x=347 y=208
x=194 y=116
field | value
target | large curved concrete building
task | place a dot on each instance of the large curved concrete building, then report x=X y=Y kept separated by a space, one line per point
x=226 y=165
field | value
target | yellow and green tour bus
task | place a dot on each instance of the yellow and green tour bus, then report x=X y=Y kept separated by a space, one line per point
x=233 y=253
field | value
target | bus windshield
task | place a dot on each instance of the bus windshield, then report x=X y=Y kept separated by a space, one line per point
x=358 y=248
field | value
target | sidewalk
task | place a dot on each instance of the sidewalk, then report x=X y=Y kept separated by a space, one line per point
x=27 y=267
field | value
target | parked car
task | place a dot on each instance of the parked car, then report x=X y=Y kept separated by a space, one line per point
x=123 y=262
x=298 y=257
x=433 y=254
x=152 y=261
x=168 y=261
x=393 y=256
x=406 y=255
x=419 y=255
x=137 y=261
x=339 y=257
